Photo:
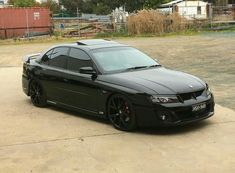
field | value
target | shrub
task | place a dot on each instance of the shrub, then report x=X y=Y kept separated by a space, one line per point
x=153 y=22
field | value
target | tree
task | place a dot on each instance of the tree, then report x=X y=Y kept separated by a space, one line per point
x=102 y=7
x=72 y=6
x=22 y=3
x=106 y=6
x=52 y=5
x=152 y=3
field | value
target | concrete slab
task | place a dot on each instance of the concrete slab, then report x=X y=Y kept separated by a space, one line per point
x=54 y=140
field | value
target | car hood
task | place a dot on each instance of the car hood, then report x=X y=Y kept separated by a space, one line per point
x=156 y=81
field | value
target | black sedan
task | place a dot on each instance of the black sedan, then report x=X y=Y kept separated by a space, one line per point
x=115 y=81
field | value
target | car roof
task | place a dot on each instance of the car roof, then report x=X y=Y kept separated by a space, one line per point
x=87 y=45
x=92 y=44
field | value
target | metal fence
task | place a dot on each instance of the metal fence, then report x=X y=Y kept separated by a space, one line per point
x=223 y=13
x=84 y=26
x=222 y=17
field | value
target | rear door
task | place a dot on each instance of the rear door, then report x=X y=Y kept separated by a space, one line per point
x=53 y=74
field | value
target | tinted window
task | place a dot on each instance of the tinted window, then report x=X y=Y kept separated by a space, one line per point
x=47 y=56
x=121 y=58
x=58 y=57
x=77 y=59
x=79 y=54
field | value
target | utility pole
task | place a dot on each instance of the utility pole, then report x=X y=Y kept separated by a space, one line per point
x=79 y=31
x=27 y=22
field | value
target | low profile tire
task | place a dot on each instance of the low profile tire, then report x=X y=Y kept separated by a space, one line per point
x=121 y=113
x=37 y=94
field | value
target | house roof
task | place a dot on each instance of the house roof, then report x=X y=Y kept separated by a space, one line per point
x=171 y=3
x=183 y=2
x=192 y=3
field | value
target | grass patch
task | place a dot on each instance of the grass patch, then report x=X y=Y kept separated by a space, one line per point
x=208 y=55
x=125 y=34
x=35 y=40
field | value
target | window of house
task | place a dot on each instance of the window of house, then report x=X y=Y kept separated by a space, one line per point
x=199 y=10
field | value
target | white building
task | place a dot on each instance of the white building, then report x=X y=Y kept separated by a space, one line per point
x=2 y=2
x=187 y=9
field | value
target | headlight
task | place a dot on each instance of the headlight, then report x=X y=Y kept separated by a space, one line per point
x=164 y=99
x=208 y=90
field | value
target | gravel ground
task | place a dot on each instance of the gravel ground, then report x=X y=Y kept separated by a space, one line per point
x=211 y=56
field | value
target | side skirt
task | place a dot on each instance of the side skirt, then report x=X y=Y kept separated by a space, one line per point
x=77 y=109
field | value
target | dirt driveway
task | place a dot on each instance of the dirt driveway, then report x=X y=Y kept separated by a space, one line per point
x=53 y=140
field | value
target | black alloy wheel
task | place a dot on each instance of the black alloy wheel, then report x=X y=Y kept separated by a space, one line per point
x=37 y=95
x=121 y=113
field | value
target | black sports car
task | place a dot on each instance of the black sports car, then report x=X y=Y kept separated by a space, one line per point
x=115 y=81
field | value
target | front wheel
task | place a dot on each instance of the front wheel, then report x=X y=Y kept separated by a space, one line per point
x=121 y=113
x=37 y=94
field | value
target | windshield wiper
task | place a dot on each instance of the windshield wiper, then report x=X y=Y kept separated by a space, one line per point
x=135 y=68
x=141 y=67
x=156 y=65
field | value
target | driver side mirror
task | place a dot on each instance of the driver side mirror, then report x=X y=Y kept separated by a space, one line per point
x=87 y=70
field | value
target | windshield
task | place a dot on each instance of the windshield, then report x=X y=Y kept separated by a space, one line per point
x=122 y=59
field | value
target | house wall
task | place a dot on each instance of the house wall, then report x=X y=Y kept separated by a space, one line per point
x=167 y=10
x=193 y=9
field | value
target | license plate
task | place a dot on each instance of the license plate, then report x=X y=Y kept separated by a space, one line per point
x=199 y=107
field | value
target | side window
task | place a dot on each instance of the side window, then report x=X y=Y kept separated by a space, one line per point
x=46 y=57
x=59 y=57
x=77 y=59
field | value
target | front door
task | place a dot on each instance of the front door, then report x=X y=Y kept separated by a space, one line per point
x=81 y=90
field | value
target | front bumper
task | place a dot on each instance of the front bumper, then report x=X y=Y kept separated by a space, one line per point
x=174 y=114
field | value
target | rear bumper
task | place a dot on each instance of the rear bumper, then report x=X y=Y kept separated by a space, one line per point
x=173 y=115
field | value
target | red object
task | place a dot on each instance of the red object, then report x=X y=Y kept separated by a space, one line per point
x=19 y=22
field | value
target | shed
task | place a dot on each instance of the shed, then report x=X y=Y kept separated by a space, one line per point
x=187 y=9
x=192 y=9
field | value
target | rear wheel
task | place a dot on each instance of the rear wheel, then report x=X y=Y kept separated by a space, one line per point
x=121 y=113
x=37 y=94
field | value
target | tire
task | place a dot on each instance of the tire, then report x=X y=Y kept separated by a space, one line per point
x=121 y=113
x=37 y=94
